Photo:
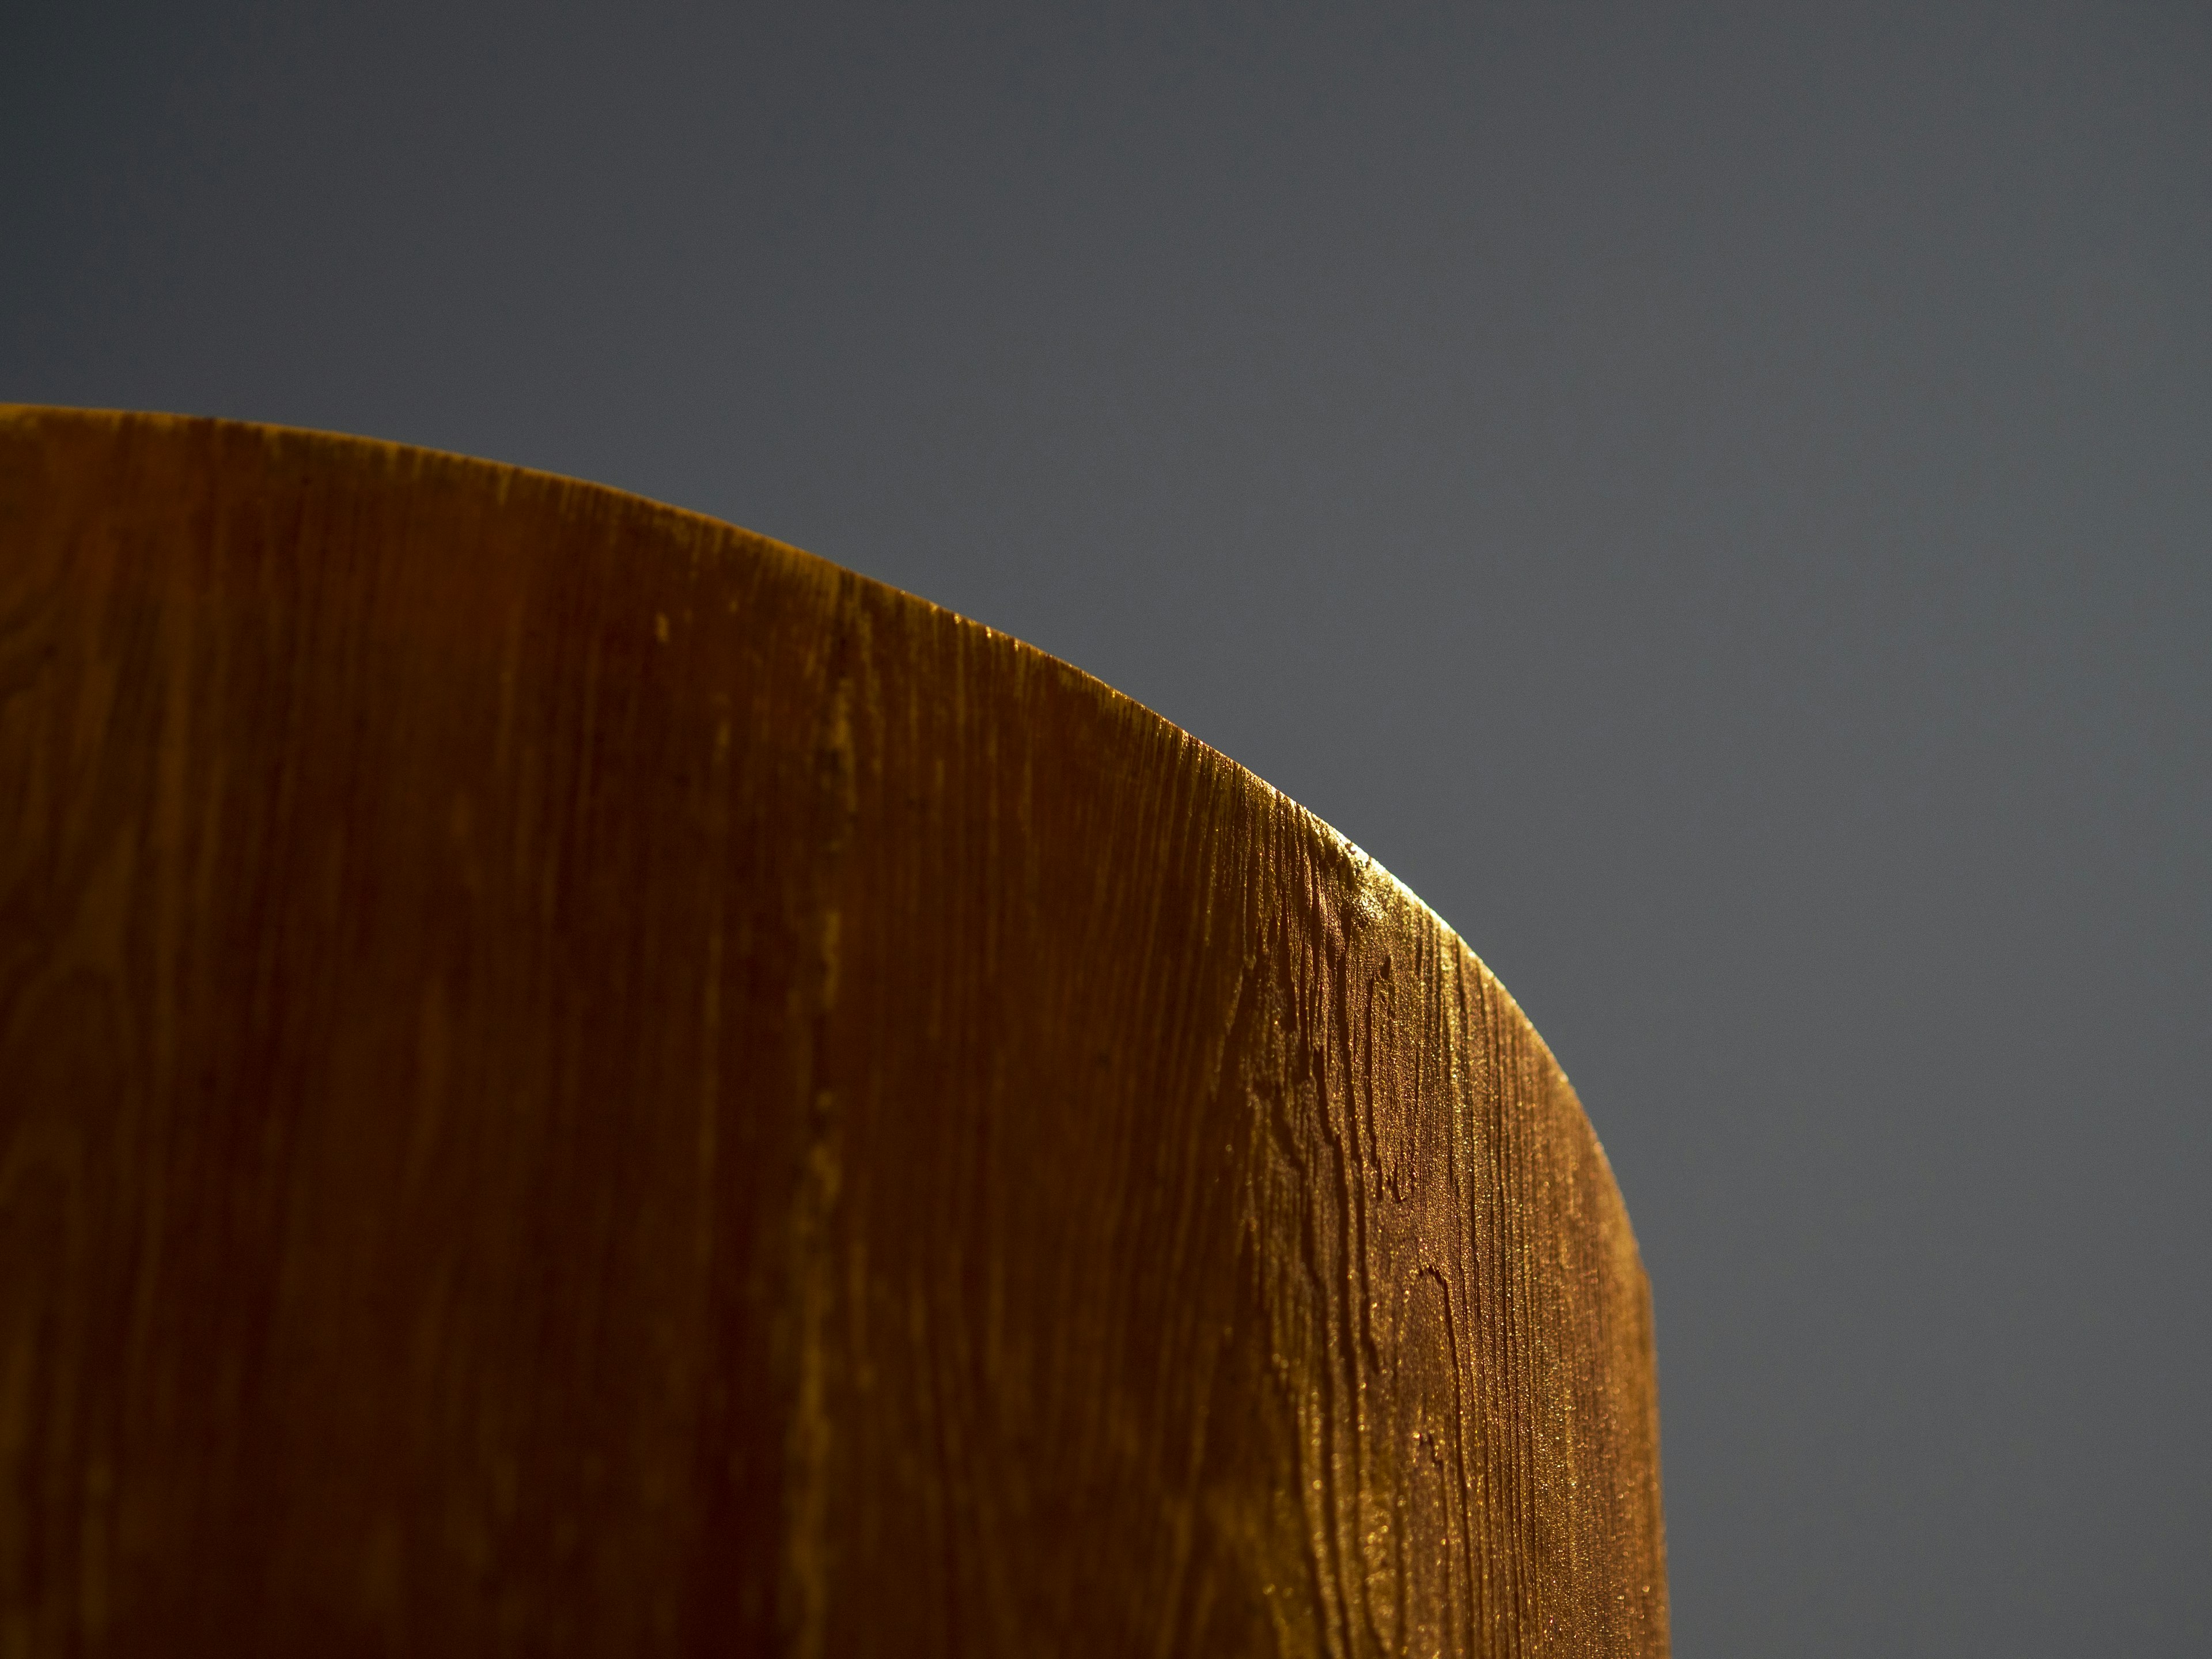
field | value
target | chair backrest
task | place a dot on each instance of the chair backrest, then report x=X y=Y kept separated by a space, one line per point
x=576 y=1080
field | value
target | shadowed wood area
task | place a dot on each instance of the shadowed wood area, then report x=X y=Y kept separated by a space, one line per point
x=573 y=1081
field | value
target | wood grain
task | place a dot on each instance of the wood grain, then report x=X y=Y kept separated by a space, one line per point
x=576 y=1080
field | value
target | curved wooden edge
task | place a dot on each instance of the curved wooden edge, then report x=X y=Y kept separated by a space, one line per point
x=411 y=461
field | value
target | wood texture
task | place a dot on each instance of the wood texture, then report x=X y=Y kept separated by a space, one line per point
x=575 y=1080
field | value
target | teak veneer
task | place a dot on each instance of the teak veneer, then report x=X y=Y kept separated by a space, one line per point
x=573 y=1081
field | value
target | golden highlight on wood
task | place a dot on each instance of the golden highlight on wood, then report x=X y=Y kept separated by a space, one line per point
x=573 y=1081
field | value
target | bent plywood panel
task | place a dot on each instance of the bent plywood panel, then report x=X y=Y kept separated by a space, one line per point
x=575 y=1080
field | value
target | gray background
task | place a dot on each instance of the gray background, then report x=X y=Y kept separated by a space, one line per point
x=1744 y=473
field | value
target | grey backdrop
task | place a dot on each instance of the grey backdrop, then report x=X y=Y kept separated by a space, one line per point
x=1744 y=473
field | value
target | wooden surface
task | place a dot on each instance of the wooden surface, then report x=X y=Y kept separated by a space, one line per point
x=575 y=1080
